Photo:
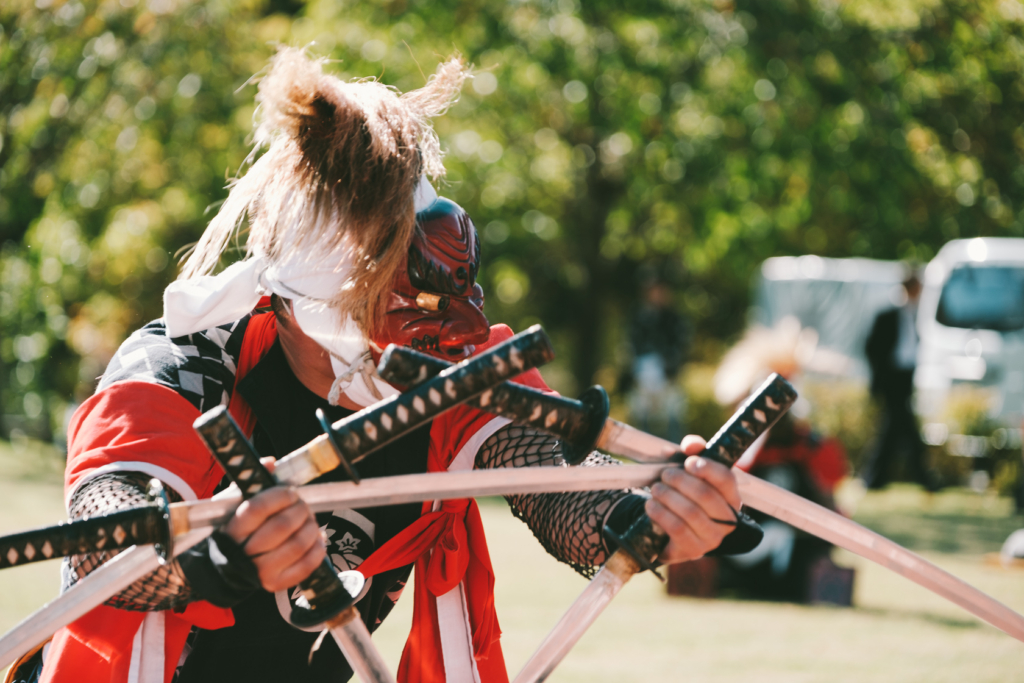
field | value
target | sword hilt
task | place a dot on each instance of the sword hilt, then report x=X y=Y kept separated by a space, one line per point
x=323 y=590
x=577 y=423
x=356 y=436
x=112 y=531
x=643 y=540
x=752 y=419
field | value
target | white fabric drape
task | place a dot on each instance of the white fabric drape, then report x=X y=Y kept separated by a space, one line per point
x=310 y=278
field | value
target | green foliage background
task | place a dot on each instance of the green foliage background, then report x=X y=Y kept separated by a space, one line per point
x=695 y=137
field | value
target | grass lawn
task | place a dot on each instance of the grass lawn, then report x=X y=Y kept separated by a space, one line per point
x=896 y=632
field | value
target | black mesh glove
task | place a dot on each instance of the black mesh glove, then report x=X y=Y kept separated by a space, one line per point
x=744 y=538
x=219 y=571
x=568 y=525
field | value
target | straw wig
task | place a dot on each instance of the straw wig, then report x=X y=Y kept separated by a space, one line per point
x=337 y=180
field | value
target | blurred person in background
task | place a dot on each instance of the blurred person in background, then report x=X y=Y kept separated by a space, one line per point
x=788 y=564
x=659 y=343
x=891 y=350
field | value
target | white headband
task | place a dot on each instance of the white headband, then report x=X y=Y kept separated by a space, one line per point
x=309 y=280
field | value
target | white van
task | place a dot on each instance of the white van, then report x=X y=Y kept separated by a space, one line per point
x=839 y=298
x=971 y=322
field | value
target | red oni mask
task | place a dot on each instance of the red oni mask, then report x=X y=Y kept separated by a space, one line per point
x=436 y=305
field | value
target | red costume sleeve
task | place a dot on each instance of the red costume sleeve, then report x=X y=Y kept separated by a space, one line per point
x=140 y=427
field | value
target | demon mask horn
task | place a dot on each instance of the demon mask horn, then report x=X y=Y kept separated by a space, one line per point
x=334 y=189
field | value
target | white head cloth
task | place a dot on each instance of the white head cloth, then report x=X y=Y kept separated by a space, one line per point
x=310 y=280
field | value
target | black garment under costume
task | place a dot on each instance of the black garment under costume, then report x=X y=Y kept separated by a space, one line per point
x=262 y=646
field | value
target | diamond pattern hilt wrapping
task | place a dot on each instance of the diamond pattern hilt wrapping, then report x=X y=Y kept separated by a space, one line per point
x=360 y=434
x=232 y=450
x=642 y=541
x=752 y=419
x=577 y=422
x=323 y=589
x=121 y=529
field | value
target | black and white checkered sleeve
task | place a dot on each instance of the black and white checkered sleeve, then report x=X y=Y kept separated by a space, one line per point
x=200 y=367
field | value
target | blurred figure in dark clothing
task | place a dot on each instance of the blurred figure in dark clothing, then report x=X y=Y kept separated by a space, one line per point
x=790 y=564
x=659 y=338
x=892 y=354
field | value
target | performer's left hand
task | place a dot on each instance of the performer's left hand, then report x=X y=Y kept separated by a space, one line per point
x=687 y=502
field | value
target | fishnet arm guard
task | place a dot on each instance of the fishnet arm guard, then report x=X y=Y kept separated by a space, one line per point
x=568 y=525
x=166 y=588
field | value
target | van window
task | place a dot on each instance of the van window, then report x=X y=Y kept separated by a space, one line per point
x=983 y=297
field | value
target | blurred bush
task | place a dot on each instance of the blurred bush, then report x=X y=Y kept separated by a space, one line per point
x=842 y=408
x=119 y=123
x=704 y=415
x=967 y=413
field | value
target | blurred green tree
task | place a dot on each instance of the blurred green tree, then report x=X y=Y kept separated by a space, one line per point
x=695 y=137
x=118 y=126
x=705 y=136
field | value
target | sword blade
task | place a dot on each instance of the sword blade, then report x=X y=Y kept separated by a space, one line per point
x=840 y=531
x=90 y=592
x=374 y=492
x=834 y=528
x=415 y=488
x=639 y=446
x=584 y=611
x=353 y=638
x=194 y=521
x=412 y=488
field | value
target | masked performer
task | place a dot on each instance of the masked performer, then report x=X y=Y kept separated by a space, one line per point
x=349 y=249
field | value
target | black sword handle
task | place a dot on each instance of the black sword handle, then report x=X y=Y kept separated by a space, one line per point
x=642 y=540
x=360 y=434
x=351 y=439
x=323 y=590
x=115 y=530
x=578 y=423
x=752 y=419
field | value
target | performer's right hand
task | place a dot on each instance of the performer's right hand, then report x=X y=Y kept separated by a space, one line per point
x=279 y=532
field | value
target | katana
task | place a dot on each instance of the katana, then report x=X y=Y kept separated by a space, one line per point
x=194 y=521
x=583 y=424
x=202 y=516
x=640 y=545
x=329 y=598
x=343 y=444
x=577 y=422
